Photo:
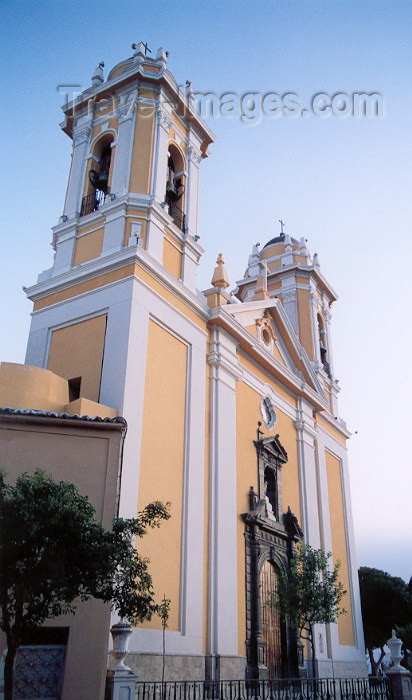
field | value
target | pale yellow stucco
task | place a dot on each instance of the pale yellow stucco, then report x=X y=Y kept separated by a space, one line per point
x=305 y=324
x=25 y=386
x=339 y=545
x=77 y=351
x=88 y=247
x=142 y=152
x=162 y=461
x=172 y=258
x=267 y=378
x=36 y=388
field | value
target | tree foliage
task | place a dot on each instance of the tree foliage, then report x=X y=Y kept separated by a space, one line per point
x=53 y=554
x=386 y=604
x=309 y=593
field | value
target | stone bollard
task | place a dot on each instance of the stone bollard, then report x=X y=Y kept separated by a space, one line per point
x=120 y=679
x=399 y=677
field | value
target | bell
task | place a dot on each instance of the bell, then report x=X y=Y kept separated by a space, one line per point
x=171 y=189
x=102 y=180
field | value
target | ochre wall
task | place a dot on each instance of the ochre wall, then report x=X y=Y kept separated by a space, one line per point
x=162 y=461
x=266 y=377
x=77 y=351
x=339 y=546
x=172 y=258
x=305 y=323
x=247 y=416
x=88 y=247
x=142 y=152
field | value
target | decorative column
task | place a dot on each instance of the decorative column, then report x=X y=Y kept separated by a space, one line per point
x=154 y=232
x=306 y=434
x=315 y=331
x=81 y=136
x=194 y=158
x=163 y=125
x=223 y=614
x=124 y=145
x=290 y=306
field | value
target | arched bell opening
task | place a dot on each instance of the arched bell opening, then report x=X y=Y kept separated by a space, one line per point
x=98 y=175
x=323 y=345
x=175 y=186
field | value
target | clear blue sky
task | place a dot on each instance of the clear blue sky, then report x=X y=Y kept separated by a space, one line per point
x=344 y=184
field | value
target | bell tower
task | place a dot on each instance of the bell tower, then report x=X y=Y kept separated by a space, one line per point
x=294 y=277
x=130 y=212
x=137 y=147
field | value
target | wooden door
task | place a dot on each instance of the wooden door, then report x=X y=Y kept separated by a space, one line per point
x=271 y=622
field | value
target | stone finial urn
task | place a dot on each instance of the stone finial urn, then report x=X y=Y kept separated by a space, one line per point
x=395 y=646
x=120 y=634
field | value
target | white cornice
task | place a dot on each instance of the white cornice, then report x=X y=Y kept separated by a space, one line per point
x=335 y=424
x=137 y=70
x=281 y=271
x=114 y=261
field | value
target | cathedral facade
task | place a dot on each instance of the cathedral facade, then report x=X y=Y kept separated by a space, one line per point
x=230 y=398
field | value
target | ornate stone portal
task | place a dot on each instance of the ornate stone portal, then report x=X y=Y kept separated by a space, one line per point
x=270 y=538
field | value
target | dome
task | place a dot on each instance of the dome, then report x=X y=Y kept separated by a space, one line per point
x=279 y=239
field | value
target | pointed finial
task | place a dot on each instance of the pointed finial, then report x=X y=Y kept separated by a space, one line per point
x=220 y=278
x=97 y=77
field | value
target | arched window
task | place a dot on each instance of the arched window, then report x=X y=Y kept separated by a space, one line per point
x=323 y=348
x=175 y=187
x=271 y=490
x=98 y=176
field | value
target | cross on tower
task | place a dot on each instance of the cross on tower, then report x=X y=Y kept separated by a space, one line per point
x=281 y=225
x=145 y=46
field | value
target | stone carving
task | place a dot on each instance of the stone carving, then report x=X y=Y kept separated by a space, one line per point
x=194 y=155
x=81 y=135
x=126 y=109
x=163 y=119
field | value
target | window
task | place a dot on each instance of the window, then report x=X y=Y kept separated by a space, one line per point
x=323 y=350
x=98 y=186
x=175 y=187
x=271 y=490
x=74 y=388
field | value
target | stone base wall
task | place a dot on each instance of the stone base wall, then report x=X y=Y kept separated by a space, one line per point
x=185 y=667
x=339 y=669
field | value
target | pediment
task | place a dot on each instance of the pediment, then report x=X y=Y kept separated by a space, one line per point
x=272 y=332
x=273 y=447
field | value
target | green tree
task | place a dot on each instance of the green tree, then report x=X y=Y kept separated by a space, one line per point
x=386 y=603
x=53 y=553
x=164 y=612
x=309 y=593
